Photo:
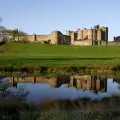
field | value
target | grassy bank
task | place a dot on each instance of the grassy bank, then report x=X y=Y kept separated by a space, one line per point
x=36 y=54
x=63 y=115
x=56 y=71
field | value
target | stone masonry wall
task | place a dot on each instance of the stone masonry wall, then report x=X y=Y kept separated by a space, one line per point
x=42 y=38
x=113 y=43
x=84 y=42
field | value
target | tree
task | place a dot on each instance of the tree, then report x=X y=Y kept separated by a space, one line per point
x=4 y=36
x=13 y=34
x=7 y=34
x=16 y=34
x=21 y=35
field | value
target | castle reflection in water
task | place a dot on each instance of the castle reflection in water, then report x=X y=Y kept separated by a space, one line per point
x=94 y=84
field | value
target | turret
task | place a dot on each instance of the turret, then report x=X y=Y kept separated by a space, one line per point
x=54 y=37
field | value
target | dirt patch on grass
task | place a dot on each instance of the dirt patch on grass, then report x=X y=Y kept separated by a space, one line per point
x=3 y=49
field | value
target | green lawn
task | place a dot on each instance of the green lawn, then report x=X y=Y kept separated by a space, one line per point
x=33 y=54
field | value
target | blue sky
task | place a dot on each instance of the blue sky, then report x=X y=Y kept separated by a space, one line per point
x=44 y=16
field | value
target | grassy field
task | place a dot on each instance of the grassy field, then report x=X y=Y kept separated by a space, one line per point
x=34 y=54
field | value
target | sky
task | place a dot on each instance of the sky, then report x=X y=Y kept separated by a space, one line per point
x=44 y=16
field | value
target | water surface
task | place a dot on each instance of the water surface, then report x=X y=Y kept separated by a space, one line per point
x=63 y=87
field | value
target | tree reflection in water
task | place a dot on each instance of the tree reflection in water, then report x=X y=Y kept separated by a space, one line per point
x=5 y=92
x=11 y=102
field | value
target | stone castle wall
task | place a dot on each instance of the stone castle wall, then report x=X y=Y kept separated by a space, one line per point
x=96 y=36
x=29 y=37
x=117 y=39
x=90 y=43
x=55 y=37
x=84 y=42
x=113 y=43
x=42 y=38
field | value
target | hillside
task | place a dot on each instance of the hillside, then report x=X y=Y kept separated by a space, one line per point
x=42 y=50
x=41 y=54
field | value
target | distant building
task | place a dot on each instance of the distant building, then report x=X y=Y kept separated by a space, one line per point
x=93 y=36
x=117 y=39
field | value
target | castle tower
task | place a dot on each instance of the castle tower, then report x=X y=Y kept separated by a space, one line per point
x=99 y=36
x=73 y=37
x=90 y=34
x=79 y=34
x=54 y=37
x=99 y=32
x=106 y=33
x=68 y=32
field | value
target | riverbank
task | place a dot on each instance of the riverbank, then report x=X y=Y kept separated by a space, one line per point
x=54 y=71
x=80 y=109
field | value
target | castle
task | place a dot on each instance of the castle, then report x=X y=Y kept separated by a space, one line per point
x=93 y=36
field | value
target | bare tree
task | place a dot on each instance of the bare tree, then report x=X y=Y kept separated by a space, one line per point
x=7 y=34
x=4 y=36
x=16 y=34
x=13 y=33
